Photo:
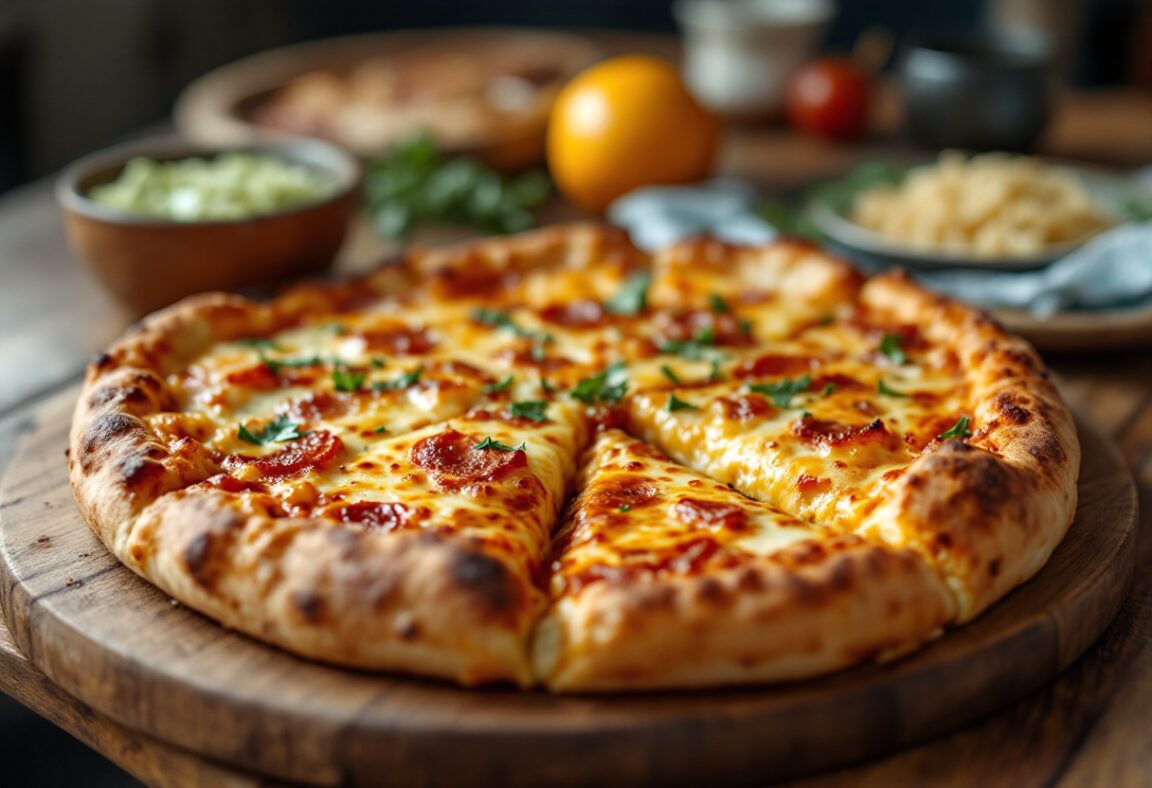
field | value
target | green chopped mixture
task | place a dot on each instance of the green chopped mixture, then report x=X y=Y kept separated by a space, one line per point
x=229 y=186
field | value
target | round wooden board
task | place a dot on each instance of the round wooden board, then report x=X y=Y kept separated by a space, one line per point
x=126 y=649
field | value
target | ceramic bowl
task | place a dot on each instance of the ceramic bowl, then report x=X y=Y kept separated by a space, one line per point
x=146 y=263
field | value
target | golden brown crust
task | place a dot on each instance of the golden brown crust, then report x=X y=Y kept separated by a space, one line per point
x=817 y=607
x=977 y=517
x=988 y=512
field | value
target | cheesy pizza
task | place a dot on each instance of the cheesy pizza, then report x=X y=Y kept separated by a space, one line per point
x=554 y=460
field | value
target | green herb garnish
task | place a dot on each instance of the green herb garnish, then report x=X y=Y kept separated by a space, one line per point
x=782 y=391
x=489 y=443
x=957 y=430
x=276 y=364
x=829 y=388
x=623 y=508
x=417 y=184
x=718 y=304
x=380 y=429
x=715 y=376
x=378 y=363
x=280 y=430
x=533 y=410
x=498 y=319
x=501 y=385
x=692 y=349
x=407 y=380
x=347 y=381
x=632 y=297
x=608 y=385
x=885 y=389
x=675 y=404
x=259 y=342
x=668 y=373
x=547 y=387
x=890 y=347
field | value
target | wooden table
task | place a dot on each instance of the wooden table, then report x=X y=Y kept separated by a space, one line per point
x=1089 y=727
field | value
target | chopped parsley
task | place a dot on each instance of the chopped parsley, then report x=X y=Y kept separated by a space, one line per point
x=489 y=443
x=692 y=349
x=280 y=430
x=890 y=347
x=957 y=430
x=533 y=410
x=829 y=389
x=632 y=297
x=380 y=429
x=719 y=305
x=501 y=385
x=782 y=391
x=547 y=387
x=262 y=343
x=675 y=404
x=746 y=327
x=887 y=390
x=407 y=380
x=668 y=373
x=347 y=381
x=378 y=363
x=715 y=376
x=608 y=385
x=498 y=319
x=623 y=508
x=276 y=364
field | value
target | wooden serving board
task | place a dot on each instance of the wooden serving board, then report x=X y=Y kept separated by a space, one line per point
x=127 y=650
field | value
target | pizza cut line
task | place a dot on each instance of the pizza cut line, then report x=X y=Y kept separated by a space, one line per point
x=553 y=460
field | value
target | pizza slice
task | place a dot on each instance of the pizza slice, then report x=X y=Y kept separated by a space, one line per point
x=662 y=577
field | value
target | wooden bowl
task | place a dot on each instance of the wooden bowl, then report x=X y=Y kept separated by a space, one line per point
x=147 y=262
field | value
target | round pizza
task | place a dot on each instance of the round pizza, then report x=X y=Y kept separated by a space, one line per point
x=554 y=460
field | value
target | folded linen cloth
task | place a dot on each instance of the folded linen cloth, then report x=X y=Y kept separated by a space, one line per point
x=1113 y=270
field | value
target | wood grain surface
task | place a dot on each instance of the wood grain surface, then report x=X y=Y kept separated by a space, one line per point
x=121 y=646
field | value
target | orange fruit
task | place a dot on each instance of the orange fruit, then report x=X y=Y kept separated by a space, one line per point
x=625 y=123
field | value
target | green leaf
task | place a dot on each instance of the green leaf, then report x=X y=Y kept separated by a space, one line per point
x=533 y=410
x=715 y=376
x=501 y=385
x=261 y=343
x=275 y=365
x=829 y=388
x=280 y=430
x=608 y=385
x=668 y=373
x=380 y=429
x=675 y=404
x=632 y=297
x=378 y=363
x=499 y=319
x=623 y=508
x=547 y=387
x=885 y=389
x=489 y=443
x=415 y=183
x=347 y=381
x=782 y=391
x=692 y=349
x=890 y=347
x=719 y=305
x=407 y=380
x=957 y=430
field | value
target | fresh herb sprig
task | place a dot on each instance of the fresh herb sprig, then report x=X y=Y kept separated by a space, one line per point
x=416 y=183
x=280 y=430
x=490 y=443
x=958 y=430
x=632 y=297
x=533 y=410
x=607 y=385
x=407 y=380
x=782 y=391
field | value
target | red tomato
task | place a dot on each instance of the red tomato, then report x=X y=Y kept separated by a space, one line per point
x=829 y=98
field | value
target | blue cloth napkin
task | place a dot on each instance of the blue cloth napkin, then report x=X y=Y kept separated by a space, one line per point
x=1113 y=270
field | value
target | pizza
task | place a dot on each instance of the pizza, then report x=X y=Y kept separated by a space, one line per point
x=554 y=460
